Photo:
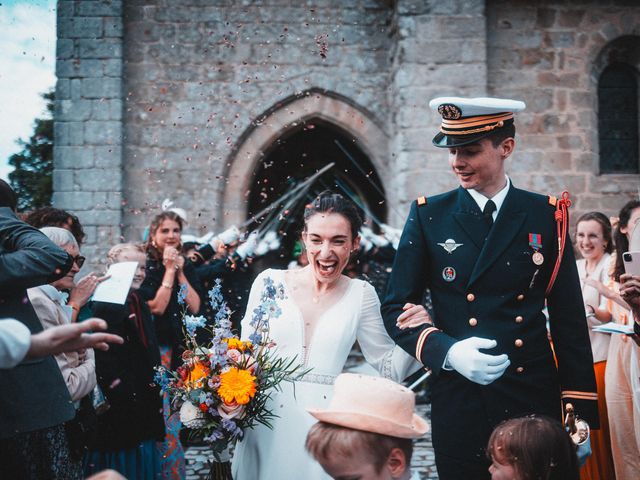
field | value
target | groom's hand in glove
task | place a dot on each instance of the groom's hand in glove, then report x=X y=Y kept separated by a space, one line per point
x=465 y=358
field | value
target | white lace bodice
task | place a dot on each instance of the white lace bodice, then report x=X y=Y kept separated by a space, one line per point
x=355 y=316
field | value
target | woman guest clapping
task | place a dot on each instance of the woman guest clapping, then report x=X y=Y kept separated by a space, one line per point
x=169 y=276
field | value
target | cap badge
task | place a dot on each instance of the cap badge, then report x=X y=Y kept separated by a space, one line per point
x=450 y=245
x=449 y=274
x=449 y=111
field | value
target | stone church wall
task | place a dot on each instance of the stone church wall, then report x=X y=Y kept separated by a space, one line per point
x=163 y=98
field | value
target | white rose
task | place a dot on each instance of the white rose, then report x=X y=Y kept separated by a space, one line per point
x=191 y=416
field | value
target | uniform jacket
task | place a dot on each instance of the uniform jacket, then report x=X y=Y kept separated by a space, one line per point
x=34 y=395
x=79 y=374
x=488 y=287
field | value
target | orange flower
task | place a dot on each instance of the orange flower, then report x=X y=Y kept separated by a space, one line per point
x=197 y=375
x=234 y=343
x=237 y=385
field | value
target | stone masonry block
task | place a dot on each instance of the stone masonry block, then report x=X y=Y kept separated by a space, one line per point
x=64 y=48
x=63 y=89
x=108 y=157
x=63 y=180
x=101 y=179
x=71 y=200
x=99 y=8
x=101 y=87
x=462 y=26
x=61 y=135
x=103 y=133
x=113 y=27
x=100 y=48
x=72 y=110
x=72 y=157
x=65 y=8
x=81 y=27
x=78 y=68
x=112 y=68
x=98 y=217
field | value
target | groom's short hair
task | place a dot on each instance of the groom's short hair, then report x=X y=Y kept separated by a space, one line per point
x=326 y=440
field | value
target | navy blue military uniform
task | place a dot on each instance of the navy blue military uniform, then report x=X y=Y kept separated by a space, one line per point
x=488 y=286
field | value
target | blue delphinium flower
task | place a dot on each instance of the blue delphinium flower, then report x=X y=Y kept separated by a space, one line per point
x=215 y=295
x=161 y=378
x=192 y=322
x=217 y=434
x=182 y=293
x=231 y=427
x=267 y=309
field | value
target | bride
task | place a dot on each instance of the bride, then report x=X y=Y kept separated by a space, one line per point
x=323 y=313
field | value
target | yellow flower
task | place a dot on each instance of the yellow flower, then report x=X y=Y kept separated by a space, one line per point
x=234 y=343
x=197 y=375
x=237 y=385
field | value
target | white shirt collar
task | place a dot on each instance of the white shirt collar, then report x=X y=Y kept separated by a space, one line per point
x=498 y=198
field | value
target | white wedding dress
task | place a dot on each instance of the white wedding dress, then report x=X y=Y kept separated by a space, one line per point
x=279 y=454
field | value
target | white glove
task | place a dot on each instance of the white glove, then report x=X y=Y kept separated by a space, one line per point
x=248 y=248
x=230 y=235
x=466 y=359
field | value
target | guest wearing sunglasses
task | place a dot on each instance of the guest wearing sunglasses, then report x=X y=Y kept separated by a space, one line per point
x=52 y=307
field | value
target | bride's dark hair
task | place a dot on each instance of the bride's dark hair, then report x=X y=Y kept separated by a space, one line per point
x=331 y=202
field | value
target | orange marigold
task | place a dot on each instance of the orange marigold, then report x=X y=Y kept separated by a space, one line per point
x=197 y=375
x=237 y=385
x=236 y=344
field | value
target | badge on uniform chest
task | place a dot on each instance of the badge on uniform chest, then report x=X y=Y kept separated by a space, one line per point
x=449 y=274
x=535 y=242
x=450 y=245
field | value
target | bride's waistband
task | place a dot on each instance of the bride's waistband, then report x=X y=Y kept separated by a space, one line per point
x=317 y=378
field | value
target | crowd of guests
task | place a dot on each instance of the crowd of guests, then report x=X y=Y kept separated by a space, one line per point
x=112 y=415
x=601 y=242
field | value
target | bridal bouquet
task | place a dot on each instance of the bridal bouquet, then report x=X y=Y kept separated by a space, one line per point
x=222 y=387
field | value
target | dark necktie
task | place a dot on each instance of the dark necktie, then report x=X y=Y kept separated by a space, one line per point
x=489 y=208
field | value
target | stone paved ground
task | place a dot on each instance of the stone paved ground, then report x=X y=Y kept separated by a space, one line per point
x=423 y=460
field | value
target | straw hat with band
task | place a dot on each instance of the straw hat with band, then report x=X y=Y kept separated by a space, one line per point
x=467 y=120
x=373 y=404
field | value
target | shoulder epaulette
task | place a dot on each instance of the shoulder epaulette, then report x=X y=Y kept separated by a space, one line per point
x=421 y=201
x=552 y=200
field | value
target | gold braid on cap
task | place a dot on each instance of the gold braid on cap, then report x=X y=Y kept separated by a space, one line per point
x=465 y=126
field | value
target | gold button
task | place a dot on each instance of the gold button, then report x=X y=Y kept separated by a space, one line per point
x=520 y=297
x=473 y=322
x=519 y=343
x=520 y=369
x=519 y=319
x=470 y=297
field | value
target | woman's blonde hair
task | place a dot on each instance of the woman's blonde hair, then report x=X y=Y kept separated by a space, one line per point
x=116 y=251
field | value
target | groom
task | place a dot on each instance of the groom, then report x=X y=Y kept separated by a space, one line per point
x=487 y=252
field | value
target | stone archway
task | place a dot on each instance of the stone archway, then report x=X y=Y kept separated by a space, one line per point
x=288 y=115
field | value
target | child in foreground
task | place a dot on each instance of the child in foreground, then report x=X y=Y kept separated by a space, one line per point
x=532 y=448
x=367 y=430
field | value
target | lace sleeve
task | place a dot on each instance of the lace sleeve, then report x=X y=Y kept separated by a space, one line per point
x=379 y=350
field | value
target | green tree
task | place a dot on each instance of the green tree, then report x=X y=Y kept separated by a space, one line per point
x=32 y=177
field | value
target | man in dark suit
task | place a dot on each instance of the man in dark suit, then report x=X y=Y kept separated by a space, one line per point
x=34 y=400
x=487 y=251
